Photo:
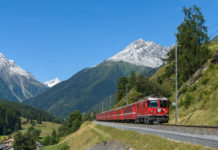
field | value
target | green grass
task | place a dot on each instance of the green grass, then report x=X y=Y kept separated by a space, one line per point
x=54 y=147
x=202 y=109
x=132 y=96
x=46 y=127
x=90 y=134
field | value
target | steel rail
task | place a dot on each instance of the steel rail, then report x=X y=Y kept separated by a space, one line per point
x=190 y=126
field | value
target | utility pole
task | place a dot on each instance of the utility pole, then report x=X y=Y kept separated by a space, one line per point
x=126 y=94
x=110 y=103
x=176 y=81
x=102 y=107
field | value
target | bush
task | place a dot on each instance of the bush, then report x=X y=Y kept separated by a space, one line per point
x=50 y=140
x=24 y=141
x=205 y=80
x=188 y=100
x=192 y=88
x=65 y=147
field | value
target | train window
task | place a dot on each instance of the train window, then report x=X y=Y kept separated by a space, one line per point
x=144 y=104
x=152 y=103
x=138 y=106
x=163 y=104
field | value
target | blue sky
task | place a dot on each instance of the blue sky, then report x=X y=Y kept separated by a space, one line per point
x=57 y=38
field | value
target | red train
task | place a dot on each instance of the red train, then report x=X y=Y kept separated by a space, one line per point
x=148 y=110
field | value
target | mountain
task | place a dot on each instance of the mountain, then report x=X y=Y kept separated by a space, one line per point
x=140 y=52
x=15 y=83
x=53 y=82
x=215 y=39
x=90 y=86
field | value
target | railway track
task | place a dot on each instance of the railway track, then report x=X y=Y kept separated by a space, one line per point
x=205 y=135
x=191 y=126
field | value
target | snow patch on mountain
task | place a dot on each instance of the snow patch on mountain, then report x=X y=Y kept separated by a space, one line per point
x=144 y=53
x=53 y=82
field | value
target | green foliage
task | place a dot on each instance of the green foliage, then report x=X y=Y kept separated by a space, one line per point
x=72 y=123
x=205 y=80
x=24 y=141
x=65 y=147
x=34 y=132
x=192 y=43
x=141 y=83
x=30 y=112
x=132 y=80
x=147 y=87
x=121 y=88
x=50 y=140
x=188 y=100
x=9 y=120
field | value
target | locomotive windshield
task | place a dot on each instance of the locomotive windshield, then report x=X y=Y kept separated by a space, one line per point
x=152 y=103
x=163 y=104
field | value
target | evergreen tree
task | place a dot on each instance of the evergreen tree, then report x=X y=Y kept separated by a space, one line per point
x=192 y=40
x=121 y=87
x=141 y=83
x=132 y=80
x=24 y=141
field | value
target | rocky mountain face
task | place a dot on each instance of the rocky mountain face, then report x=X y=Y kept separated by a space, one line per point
x=144 y=53
x=15 y=83
x=90 y=86
x=53 y=82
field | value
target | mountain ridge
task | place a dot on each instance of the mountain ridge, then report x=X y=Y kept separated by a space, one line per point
x=16 y=83
x=140 y=52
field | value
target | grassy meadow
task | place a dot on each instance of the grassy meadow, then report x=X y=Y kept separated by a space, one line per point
x=90 y=134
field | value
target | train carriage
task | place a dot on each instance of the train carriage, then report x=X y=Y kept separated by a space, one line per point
x=147 y=110
x=129 y=112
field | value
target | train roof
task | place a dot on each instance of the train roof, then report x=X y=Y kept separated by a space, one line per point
x=143 y=99
x=153 y=98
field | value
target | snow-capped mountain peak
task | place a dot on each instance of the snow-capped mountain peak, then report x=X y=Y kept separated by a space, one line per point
x=53 y=82
x=17 y=84
x=9 y=66
x=140 y=52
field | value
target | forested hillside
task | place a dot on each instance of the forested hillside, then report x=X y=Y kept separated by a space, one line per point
x=12 y=111
x=87 y=88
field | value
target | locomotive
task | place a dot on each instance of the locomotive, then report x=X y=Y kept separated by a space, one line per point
x=148 y=110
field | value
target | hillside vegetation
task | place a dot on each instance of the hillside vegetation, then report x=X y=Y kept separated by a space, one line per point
x=45 y=127
x=11 y=112
x=197 y=97
x=90 y=134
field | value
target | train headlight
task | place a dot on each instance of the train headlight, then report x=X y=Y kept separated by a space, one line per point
x=158 y=110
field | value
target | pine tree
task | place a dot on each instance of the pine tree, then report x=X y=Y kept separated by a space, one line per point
x=121 y=87
x=192 y=41
x=24 y=141
x=132 y=80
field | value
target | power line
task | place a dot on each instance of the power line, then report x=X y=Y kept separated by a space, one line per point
x=213 y=34
x=211 y=27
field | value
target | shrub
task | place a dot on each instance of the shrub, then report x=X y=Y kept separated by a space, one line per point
x=65 y=147
x=205 y=80
x=188 y=100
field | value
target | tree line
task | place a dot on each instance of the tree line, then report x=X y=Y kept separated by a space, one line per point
x=12 y=111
